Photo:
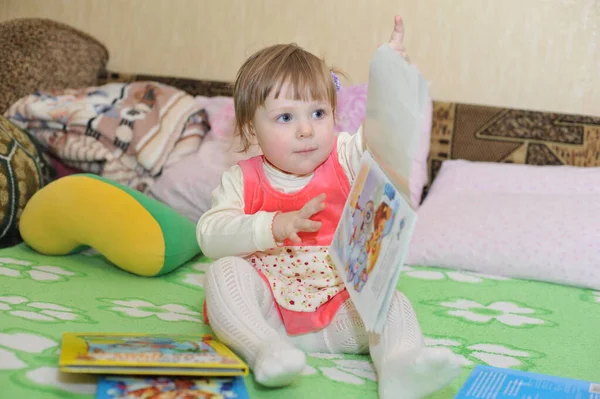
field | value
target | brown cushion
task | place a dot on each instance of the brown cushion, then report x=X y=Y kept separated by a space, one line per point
x=492 y=134
x=24 y=169
x=40 y=54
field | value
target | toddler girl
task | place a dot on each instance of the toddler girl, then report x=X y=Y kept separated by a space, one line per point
x=272 y=294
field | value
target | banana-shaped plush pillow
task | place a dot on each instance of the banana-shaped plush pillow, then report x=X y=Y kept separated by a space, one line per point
x=136 y=233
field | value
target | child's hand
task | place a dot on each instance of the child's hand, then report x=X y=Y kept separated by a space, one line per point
x=289 y=224
x=397 y=38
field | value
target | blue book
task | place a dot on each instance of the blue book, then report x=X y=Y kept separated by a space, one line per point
x=125 y=387
x=500 y=383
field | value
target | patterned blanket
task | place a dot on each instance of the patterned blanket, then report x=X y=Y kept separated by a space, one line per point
x=525 y=325
x=123 y=131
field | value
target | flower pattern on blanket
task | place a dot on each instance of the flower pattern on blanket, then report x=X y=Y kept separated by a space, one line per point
x=507 y=322
x=492 y=354
x=140 y=308
x=347 y=369
x=507 y=313
x=43 y=312
x=458 y=276
x=35 y=356
x=358 y=370
x=18 y=268
x=192 y=277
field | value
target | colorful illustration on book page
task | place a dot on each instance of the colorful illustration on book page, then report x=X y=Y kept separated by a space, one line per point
x=367 y=221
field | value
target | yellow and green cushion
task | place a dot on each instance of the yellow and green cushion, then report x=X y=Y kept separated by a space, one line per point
x=135 y=232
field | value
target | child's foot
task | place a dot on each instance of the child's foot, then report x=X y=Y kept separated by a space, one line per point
x=429 y=371
x=278 y=364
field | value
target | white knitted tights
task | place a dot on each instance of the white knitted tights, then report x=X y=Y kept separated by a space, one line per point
x=243 y=315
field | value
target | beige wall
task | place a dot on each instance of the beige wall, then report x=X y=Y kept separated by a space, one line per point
x=538 y=54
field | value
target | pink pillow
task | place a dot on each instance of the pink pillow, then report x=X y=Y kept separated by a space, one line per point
x=520 y=221
x=351 y=108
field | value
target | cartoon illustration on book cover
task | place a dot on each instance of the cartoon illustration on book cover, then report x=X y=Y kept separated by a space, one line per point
x=167 y=388
x=132 y=344
x=150 y=348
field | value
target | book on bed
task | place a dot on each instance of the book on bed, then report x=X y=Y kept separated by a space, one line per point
x=502 y=383
x=374 y=232
x=113 y=387
x=148 y=354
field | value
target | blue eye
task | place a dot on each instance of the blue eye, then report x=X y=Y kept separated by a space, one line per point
x=318 y=114
x=284 y=118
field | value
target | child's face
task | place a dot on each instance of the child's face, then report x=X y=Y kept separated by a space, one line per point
x=295 y=136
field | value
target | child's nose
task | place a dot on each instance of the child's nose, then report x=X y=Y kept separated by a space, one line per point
x=305 y=130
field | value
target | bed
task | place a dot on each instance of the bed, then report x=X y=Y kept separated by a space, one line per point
x=527 y=325
x=505 y=318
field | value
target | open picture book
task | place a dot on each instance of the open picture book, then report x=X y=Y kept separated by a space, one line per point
x=374 y=232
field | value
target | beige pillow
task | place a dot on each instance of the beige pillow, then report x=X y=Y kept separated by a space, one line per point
x=40 y=54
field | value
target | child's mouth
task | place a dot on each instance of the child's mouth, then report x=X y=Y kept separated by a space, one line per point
x=307 y=151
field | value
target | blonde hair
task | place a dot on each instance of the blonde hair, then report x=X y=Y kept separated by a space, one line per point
x=268 y=69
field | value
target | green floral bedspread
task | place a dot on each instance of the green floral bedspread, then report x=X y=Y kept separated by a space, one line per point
x=489 y=320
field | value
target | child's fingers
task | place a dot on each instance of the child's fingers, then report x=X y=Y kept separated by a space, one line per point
x=398 y=32
x=404 y=54
x=401 y=50
x=307 y=225
x=295 y=238
x=313 y=206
